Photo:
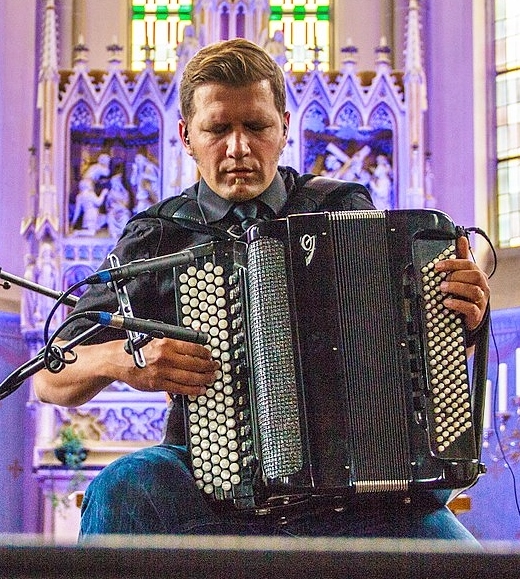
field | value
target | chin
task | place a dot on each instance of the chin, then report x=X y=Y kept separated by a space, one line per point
x=240 y=193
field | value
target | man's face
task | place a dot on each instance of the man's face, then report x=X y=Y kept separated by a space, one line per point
x=236 y=137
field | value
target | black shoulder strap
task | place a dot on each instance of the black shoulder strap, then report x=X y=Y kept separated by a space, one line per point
x=183 y=211
x=320 y=193
x=315 y=194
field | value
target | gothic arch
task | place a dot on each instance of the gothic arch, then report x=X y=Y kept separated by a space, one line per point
x=114 y=117
x=81 y=116
x=314 y=128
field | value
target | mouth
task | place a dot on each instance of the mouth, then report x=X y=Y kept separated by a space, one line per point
x=239 y=177
x=239 y=173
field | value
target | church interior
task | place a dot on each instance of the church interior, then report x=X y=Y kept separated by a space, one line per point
x=416 y=99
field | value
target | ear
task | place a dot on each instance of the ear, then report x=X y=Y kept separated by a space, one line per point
x=286 y=121
x=183 y=135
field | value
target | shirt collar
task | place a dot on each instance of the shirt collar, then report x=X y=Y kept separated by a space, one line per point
x=214 y=208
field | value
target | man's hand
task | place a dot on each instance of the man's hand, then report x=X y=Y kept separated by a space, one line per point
x=467 y=284
x=174 y=366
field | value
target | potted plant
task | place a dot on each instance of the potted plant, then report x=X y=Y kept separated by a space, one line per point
x=72 y=453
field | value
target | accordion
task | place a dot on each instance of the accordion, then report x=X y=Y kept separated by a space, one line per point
x=342 y=374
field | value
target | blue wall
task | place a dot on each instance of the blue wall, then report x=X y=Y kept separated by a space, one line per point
x=16 y=479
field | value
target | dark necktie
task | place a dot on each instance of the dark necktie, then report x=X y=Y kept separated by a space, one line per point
x=246 y=213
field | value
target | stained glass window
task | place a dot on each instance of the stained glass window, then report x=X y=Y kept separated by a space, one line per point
x=507 y=65
x=305 y=26
x=157 y=27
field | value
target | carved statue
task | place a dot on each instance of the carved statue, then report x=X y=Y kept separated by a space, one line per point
x=187 y=48
x=30 y=314
x=117 y=204
x=46 y=276
x=88 y=202
x=275 y=46
x=380 y=183
x=145 y=178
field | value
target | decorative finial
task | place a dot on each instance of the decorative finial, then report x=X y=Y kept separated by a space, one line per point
x=383 y=52
x=148 y=49
x=350 y=52
x=80 y=53
x=114 y=50
x=316 y=49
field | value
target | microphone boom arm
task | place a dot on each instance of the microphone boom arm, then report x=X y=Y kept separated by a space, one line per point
x=70 y=300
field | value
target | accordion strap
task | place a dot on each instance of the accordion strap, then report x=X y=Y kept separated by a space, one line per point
x=184 y=211
x=311 y=193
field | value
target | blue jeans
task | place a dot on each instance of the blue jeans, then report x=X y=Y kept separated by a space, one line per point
x=152 y=491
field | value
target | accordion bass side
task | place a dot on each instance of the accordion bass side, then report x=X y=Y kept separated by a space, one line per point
x=342 y=374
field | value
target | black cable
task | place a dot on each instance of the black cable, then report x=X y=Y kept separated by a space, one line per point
x=481 y=232
x=29 y=368
x=54 y=357
x=56 y=305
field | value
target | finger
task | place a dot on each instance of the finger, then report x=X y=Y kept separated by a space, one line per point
x=463 y=247
x=175 y=352
x=471 y=312
x=472 y=292
x=190 y=349
x=154 y=378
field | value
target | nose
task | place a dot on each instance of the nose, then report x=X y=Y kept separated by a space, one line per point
x=238 y=145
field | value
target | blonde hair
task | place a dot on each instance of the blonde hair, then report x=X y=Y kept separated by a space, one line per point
x=233 y=62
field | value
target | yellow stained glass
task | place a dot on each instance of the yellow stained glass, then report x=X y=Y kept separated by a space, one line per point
x=306 y=30
x=159 y=25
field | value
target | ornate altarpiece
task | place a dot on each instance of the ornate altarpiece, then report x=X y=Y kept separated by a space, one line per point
x=109 y=148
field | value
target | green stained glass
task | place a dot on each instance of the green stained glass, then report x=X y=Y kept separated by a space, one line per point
x=322 y=13
x=162 y=13
x=137 y=12
x=276 y=13
x=185 y=12
x=299 y=12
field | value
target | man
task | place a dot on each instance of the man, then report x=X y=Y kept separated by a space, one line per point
x=234 y=124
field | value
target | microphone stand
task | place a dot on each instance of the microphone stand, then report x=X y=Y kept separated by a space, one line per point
x=26 y=370
x=134 y=343
x=9 y=278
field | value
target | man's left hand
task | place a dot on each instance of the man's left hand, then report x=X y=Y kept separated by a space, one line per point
x=467 y=284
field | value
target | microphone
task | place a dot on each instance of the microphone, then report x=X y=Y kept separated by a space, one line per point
x=153 y=328
x=139 y=266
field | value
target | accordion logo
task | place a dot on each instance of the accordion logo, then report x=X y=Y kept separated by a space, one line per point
x=308 y=244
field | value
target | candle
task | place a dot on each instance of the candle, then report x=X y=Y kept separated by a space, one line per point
x=517 y=363
x=502 y=388
x=488 y=406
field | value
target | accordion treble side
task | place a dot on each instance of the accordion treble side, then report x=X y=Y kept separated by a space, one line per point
x=342 y=374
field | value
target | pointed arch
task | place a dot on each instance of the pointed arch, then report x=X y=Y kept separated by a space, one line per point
x=114 y=116
x=314 y=125
x=81 y=116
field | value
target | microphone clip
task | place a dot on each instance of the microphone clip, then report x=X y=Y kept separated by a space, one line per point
x=135 y=340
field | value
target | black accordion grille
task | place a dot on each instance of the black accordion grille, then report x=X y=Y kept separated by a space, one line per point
x=377 y=408
x=272 y=358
